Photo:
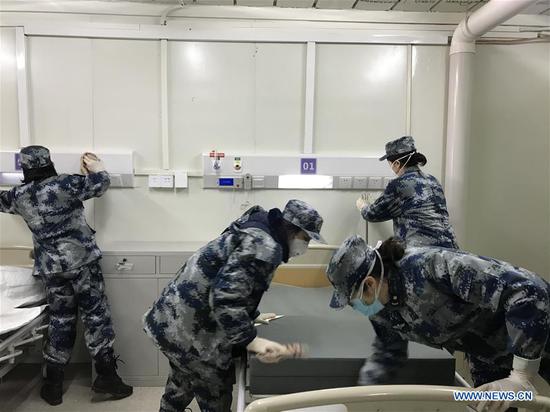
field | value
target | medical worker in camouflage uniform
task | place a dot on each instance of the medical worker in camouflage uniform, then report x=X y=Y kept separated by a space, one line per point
x=67 y=260
x=414 y=200
x=206 y=314
x=496 y=313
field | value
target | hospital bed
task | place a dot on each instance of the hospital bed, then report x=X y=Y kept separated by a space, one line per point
x=22 y=308
x=338 y=343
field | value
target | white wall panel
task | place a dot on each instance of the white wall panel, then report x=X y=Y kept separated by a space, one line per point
x=195 y=214
x=234 y=97
x=279 y=97
x=61 y=92
x=360 y=97
x=211 y=99
x=126 y=98
x=9 y=114
x=428 y=103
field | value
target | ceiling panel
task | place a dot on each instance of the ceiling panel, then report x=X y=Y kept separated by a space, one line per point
x=478 y=5
x=294 y=3
x=415 y=5
x=445 y=6
x=537 y=8
x=375 y=4
x=216 y=2
x=460 y=6
x=335 y=4
x=255 y=3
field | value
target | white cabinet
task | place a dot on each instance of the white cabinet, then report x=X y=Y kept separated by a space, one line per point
x=129 y=299
x=133 y=282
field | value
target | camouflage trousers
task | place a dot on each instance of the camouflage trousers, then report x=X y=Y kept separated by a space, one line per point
x=210 y=386
x=81 y=290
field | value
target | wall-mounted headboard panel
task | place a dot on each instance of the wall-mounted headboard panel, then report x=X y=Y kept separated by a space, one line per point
x=16 y=256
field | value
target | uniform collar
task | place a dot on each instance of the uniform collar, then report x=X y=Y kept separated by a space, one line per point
x=411 y=169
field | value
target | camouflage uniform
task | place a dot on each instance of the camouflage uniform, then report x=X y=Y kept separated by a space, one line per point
x=66 y=254
x=206 y=313
x=454 y=300
x=416 y=203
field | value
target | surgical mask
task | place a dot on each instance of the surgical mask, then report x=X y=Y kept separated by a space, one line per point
x=297 y=247
x=405 y=164
x=376 y=306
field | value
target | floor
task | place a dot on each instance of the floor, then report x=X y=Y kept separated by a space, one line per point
x=20 y=392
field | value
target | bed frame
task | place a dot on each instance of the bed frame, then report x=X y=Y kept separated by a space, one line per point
x=358 y=399
x=11 y=344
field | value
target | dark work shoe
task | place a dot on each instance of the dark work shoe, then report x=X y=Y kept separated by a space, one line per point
x=108 y=381
x=52 y=389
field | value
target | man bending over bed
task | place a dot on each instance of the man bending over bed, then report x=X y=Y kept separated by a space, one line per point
x=66 y=257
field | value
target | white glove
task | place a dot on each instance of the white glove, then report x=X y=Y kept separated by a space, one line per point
x=521 y=376
x=362 y=202
x=90 y=163
x=266 y=351
x=265 y=318
x=291 y=350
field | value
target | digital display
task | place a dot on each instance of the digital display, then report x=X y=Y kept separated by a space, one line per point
x=227 y=181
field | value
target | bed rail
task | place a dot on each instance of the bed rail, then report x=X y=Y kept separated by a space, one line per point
x=366 y=394
x=27 y=334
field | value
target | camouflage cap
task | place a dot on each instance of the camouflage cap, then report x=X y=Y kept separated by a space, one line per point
x=403 y=145
x=347 y=267
x=34 y=157
x=305 y=217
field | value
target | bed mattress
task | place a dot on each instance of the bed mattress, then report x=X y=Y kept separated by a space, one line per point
x=19 y=288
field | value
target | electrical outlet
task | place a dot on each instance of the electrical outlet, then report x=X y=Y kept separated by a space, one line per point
x=345 y=182
x=258 y=182
x=161 y=181
x=247 y=182
x=375 y=183
x=180 y=179
x=360 y=182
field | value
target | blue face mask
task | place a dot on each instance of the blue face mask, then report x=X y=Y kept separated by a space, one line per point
x=367 y=310
x=376 y=306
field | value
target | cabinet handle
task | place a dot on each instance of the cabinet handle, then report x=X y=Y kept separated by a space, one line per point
x=124 y=266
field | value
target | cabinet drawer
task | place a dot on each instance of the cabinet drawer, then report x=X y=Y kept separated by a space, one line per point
x=170 y=264
x=130 y=264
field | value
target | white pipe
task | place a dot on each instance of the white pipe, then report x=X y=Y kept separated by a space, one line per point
x=169 y=10
x=458 y=106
